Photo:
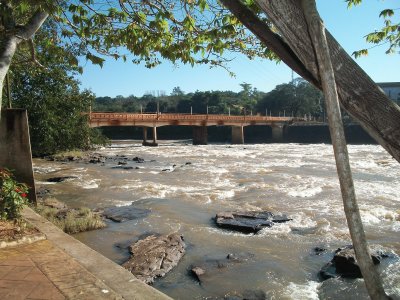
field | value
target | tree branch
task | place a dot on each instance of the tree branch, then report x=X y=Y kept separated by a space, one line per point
x=270 y=39
x=33 y=54
x=36 y=21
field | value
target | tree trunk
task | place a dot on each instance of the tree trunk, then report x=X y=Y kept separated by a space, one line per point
x=13 y=35
x=317 y=33
x=358 y=94
x=7 y=51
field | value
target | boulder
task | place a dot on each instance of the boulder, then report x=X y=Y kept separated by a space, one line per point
x=319 y=250
x=97 y=158
x=138 y=160
x=344 y=263
x=125 y=213
x=54 y=203
x=61 y=178
x=248 y=221
x=155 y=256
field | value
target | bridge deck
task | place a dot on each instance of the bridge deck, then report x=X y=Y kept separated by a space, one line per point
x=99 y=119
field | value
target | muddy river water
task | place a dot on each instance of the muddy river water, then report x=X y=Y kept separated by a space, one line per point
x=184 y=186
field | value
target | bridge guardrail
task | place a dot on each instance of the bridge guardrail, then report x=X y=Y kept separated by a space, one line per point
x=194 y=117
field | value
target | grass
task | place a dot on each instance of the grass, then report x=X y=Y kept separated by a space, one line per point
x=71 y=220
x=65 y=154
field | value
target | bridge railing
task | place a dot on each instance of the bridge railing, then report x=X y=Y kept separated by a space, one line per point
x=194 y=117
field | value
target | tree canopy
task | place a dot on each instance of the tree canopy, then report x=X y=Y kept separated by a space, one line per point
x=389 y=34
x=53 y=99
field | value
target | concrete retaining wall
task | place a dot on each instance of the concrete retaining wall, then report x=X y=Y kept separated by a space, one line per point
x=15 y=147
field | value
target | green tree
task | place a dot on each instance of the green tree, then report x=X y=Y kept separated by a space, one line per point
x=55 y=106
x=53 y=100
x=389 y=34
x=297 y=98
x=177 y=91
x=178 y=30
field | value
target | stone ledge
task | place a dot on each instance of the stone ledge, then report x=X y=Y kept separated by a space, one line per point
x=113 y=275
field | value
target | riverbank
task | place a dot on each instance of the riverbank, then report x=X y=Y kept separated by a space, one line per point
x=182 y=187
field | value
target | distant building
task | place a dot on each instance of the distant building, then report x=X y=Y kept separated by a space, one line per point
x=392 y=90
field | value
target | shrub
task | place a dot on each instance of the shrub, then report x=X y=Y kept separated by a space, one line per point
x=12 y=196
x=72 y=220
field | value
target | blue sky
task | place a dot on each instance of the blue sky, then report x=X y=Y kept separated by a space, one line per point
x=348 y=26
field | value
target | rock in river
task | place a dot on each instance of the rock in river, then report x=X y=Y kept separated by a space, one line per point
x=344 y=263
x=155 y=256
x=248 y=221
x=209 y=270
x=61 y=178
x=125 y=213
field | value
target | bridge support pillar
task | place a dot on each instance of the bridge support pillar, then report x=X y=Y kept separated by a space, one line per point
x=200 y=135
x=237 y=135
x=145 y=141
x=277 y=133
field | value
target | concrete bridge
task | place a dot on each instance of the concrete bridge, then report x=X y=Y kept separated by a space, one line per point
x=198 y=122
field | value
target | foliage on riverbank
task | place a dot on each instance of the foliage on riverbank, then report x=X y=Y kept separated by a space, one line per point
x=297 y=98
x=12 y=196
x=71 y=220
x=55 y=103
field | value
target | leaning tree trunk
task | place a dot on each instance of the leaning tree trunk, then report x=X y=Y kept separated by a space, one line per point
x=8 y=46
x=318 y=37
x=12 y=35
x=358 y=94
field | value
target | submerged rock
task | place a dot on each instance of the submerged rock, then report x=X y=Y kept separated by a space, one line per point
x=247 y=295
x=155 y=256
x=248 y=221
x=54 y=203
x=61 y=178
x=208 y=270
x=125 y=213
x=344 y=263
x=42 y=192
x=138 y=160
x=95 y=159
x=122 y=167
x=319 y=250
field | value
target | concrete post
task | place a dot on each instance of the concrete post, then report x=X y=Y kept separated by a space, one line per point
x=15 y=148
x=277 y=133
x=147 y=143
x=144 y=136
x=155 y=135
x=200 y=135
x=237 y=135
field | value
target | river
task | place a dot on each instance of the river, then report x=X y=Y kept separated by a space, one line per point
x=184 y=186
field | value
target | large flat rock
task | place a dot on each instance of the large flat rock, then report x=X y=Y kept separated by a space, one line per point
x=155 y=256
x=248 y=221
x=125 y=213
